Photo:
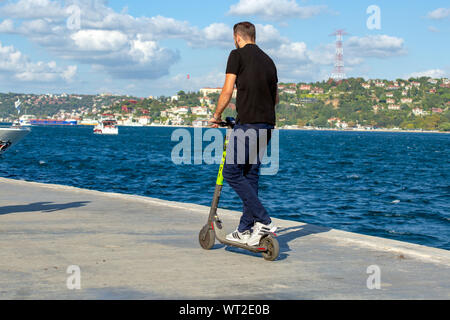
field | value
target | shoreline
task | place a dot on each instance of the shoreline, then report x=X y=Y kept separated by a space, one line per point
x=364 y=130
x=306 y=129
x=299 y=129
x=325 y=129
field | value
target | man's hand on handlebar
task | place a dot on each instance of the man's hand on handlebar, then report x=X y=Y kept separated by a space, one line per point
x=215 y=121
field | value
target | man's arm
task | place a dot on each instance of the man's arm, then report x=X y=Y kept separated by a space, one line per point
x=277 y=98
x=225 y=97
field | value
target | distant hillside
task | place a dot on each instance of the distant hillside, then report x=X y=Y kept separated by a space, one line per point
x=409 y=104
x=416 y=103
x=49 y=105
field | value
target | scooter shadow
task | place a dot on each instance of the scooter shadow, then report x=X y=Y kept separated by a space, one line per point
x=284 y=236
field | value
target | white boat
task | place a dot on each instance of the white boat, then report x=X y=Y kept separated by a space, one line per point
x=106 y=127
x=9 y=136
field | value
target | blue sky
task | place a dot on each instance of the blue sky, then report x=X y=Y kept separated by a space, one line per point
x=149 y=47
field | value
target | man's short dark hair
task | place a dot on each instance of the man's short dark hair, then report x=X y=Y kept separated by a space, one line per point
x=246 y=30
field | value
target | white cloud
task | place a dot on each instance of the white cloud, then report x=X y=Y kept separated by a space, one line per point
x=37 y=26
x=221 y=35
x=215 y=35
x=323 y=55
x=127 y=47
x=29 y=9
x=112 y=42
x=143 y=51
x=160 y=27
x=99 y=40
x=291 y=52
x=218 y=34
x=7 y=26
x=268 y=36
x=295 y=61
x=379 y=46
x=439 y=14
x=116 y=43
x=433 y=29
x=433 y=73
x=143 y=60
x=15 y=65
x=69 y=73
x=275 y=9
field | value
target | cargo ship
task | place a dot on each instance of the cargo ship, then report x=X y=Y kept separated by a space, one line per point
x=31 y=120
x=53 y=122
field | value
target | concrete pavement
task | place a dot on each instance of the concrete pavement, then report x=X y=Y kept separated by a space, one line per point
x=132 y=247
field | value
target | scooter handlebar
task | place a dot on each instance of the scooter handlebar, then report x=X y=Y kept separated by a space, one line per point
x=229 y=122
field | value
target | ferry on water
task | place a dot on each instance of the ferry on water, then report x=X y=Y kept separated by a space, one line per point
x=107 y=126
x=24 y=121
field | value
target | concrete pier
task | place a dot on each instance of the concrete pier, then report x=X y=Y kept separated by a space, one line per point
x=132 y=247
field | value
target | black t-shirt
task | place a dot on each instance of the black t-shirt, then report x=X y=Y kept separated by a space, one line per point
x=256 y=84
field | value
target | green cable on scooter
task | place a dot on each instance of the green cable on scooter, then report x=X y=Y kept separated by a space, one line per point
x=219 y=180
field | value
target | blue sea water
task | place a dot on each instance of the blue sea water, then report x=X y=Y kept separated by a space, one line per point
x=392 y=185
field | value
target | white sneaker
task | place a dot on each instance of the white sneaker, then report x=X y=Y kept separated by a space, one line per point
x=241 y=237
x=258 y=231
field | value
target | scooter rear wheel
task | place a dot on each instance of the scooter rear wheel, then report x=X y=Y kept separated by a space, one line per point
x=273 y=248
x=209 y=237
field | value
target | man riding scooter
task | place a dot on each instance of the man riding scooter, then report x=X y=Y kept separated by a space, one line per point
x=255 y=76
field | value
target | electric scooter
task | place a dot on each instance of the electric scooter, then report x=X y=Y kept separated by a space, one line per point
x=213 y=229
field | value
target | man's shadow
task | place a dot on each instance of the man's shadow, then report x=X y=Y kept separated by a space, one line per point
x=284 y=236
x=41 y=206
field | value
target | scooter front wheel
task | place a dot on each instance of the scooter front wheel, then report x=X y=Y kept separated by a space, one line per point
x=273 y=248
x=207 y=237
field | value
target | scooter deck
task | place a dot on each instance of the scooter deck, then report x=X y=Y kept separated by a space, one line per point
x=244 y=246
x=220 y=236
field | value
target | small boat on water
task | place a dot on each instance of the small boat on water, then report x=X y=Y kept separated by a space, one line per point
x=106 y=127
x=9 y=136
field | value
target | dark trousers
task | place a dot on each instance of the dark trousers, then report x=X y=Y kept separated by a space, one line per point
x=242 y=172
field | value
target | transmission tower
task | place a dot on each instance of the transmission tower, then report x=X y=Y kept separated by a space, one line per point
x=338 y=72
